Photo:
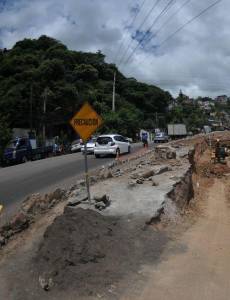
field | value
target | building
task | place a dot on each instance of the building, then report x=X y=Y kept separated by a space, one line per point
x=223 y=99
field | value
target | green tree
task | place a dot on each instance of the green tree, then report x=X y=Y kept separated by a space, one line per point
x=5 y=134
x=86 y=72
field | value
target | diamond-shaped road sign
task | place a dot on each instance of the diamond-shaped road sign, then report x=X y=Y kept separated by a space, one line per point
x=86 y=121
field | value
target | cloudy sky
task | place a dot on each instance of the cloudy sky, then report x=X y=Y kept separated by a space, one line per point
x=135 y=34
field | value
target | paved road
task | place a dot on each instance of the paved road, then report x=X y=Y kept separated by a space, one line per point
x=17 y=182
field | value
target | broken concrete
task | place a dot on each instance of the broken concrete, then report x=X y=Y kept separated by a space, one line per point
x=165 y=152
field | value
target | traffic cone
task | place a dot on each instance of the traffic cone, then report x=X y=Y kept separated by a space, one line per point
x=117 y=155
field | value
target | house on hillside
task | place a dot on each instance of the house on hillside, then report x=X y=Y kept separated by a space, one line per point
x=223 y=99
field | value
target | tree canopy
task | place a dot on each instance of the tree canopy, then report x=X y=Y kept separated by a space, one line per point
x=34 y=66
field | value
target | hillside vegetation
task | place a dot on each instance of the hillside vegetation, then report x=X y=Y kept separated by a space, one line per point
x=44 y=67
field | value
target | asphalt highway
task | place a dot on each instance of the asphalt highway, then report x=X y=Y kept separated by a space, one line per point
x=42 y=176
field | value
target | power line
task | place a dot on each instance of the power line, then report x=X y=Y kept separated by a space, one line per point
x=150 y=28
x=130 y=25
x=188 y=22
x=169 y=19
x=139 y=28
x=184 y=25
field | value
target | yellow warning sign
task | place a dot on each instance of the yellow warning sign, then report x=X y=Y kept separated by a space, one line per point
x=86 y=121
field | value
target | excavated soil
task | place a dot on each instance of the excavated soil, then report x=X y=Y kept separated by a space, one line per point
x=209 y=169
x=201 y=270
x=87 y=255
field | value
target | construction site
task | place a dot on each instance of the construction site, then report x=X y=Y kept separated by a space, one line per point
x=157 y=227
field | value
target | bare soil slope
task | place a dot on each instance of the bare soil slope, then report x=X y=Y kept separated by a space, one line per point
x=201 y=271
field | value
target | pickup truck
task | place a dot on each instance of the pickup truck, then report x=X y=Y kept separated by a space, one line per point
x=23 y=149
x=161 y=137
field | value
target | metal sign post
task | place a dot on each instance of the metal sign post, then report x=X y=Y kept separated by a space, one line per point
x=87 y=173
x=85 y=123
x=1 y=208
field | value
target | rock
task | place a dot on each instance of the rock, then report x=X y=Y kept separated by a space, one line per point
x=175 y=178
x=73 y=187
x=131 y=184
x=30 y=203
x=93 y=179
x=52 y=204
x=8 y=233
x=74 y=193
x=58 y=194
x=46 y=284
x=134 y=176
x=171 y=154
x=81 y=182
x=100 y=206
x=105 y=174
x=154 y=183
x=104 y=199
x=156 y=218
x=162 y=169
x=101 y=202
x=140 y=181
x=148 y=174
x=165 y=152
x=111 y=165
x=108 y=175
x=77 y=200
x=19 y=222
x=2 y=241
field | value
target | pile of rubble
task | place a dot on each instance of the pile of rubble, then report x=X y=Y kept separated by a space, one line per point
x=165 y=152
x=97 y=202
x=31 y=207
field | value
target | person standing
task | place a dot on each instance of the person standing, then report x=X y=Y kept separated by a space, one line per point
x=144 y=138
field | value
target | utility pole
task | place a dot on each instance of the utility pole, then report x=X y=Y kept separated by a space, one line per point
x=114 y=91
x=31 y=109
x=44 y=116
x=156 y=119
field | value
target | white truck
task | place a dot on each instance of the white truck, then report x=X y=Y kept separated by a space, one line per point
x=177 y=130
x=207 y=129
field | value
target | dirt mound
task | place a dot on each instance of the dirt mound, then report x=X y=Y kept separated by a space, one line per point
x=87 y=252
x=72 y=238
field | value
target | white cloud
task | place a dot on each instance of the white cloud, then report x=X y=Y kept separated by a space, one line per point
x=196 y=60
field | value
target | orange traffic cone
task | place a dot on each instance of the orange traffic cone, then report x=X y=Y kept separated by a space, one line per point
x=117 y=154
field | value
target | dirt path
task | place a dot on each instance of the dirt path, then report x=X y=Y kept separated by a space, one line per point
x=202 y=270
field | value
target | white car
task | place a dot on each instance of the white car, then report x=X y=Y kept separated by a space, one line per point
x=76 y=146
x=111 y=144
x=89 y=146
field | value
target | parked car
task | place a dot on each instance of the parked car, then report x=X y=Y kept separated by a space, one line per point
x=89 y=146
x=76 y=146
x=23 y=149
x=161 y=137
x=129 y=139
x=111 y=144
